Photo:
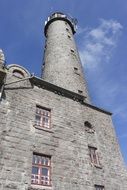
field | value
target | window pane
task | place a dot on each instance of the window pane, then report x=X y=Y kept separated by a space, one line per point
x=44 y=119
x=45 y=171
x=45 y=113
x=38 y=117
x=35 y=159
x=34 y=170
x=38 y=120
x=47 y=162
x=43 y=160
x=39 y=160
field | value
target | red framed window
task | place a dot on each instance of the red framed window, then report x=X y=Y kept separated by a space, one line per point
x=41 y=170
x=94 y=156
x=43 y=117
x=99 y=187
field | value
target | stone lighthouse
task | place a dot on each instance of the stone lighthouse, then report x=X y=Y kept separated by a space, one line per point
x=51 y=136
x=61 y=55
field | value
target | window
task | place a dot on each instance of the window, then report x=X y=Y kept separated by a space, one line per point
x=18 y=73
x=80 y=91
x=67 y=29
x=87 y=124
x=94 y=156
x=72 y=50
x=76 y=71
x=99 y=187
x=75 y=68
x=69 y=36
x=41 y=170
x=89 y=127
x=43 y=117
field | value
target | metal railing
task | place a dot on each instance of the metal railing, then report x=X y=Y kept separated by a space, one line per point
x=61 y=15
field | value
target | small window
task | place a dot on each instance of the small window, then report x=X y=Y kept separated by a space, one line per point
x=43 y=117
x=80 y=91
x=67 y=29
x=76 y=71
x=89 y=127
x=75 y=68
x=94 y=156
x=18 y=74
x=99 y=187
x=69 y=36
x=72 y=50
x=88 y=124
x=41 y=170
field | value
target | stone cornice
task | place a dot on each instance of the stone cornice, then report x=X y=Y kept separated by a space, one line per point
x=56 y=89
x=64 y=92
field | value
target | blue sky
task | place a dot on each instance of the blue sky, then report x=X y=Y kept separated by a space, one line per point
x=101 y=40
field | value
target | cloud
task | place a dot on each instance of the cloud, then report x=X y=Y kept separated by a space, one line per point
x=96 y=50
x=99 y=42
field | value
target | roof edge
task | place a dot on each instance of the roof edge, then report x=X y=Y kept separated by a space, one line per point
x=64 y=92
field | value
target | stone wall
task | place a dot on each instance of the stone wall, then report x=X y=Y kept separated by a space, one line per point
x=66 y=142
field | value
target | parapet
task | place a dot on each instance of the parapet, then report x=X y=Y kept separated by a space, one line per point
x=60 y=16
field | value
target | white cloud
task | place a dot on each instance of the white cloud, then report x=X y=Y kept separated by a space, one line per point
x=96 y=49
x=99 y=42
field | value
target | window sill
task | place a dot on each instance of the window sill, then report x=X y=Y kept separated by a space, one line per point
x=88 y=130
x=77 y=73
x=96 y=166
x=39 y=187
x=43 y=129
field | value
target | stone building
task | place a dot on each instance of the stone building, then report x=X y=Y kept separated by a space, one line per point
x=51 y=136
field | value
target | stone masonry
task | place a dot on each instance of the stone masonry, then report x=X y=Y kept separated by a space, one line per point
x=69 y=138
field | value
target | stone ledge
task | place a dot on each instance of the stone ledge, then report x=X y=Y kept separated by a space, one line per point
x=39 y=187
x=43 y=129
x=56 y=89
x=96 y=166
x=64 y=92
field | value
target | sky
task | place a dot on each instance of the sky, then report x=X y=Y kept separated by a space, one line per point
x=101 y=39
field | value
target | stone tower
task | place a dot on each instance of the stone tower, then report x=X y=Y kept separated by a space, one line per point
x=62 y=65
x=51 y=136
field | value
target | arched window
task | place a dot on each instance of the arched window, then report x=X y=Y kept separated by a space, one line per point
x=17 y=73
x=89 y=127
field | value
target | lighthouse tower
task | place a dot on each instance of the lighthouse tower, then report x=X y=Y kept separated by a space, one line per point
x=62 y=65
